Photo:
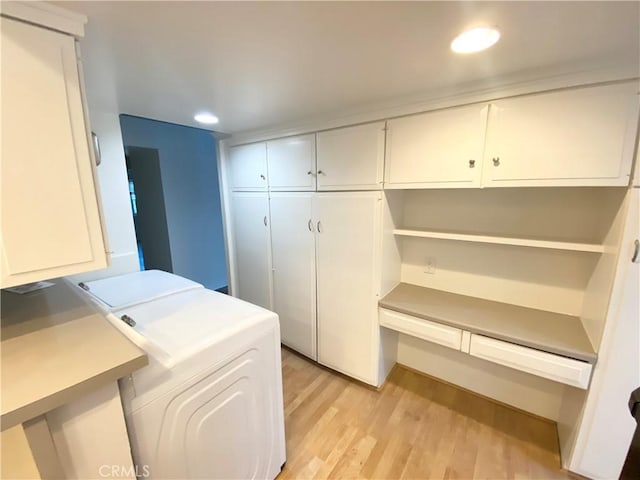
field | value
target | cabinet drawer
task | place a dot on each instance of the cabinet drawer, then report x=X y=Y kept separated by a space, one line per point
x=424 y=329
x=547 y=365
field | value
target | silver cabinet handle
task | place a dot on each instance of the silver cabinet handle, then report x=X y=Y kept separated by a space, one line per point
x=263 y=177
x=496 y=161
x=309 y=172
x=472 y=163
x=265 y=220
x=636 y=247
x=96 y=148
x=310 y=225
x=128 y=320
x=320 y=172
x=319 y=227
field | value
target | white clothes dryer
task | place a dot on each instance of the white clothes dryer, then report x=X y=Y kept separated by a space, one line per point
x=209 y=404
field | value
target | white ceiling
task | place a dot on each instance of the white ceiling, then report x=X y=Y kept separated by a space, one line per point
x=260 y=64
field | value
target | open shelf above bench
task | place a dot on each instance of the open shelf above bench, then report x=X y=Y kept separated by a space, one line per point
x=545 y=331
x=501 y=240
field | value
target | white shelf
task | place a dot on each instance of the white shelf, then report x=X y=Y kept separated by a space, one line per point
x=500 y=240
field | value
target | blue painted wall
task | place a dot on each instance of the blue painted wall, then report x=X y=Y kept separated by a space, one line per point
x=192 y=195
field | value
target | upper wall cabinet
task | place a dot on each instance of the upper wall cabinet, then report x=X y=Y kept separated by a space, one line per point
x=51 y=224
x=438 y=149
x=248 y=164
x=582 y=136
x=351 y=158
x=292 y=163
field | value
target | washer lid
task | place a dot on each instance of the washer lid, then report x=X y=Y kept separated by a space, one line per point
x=138 y=287
x=183 y=324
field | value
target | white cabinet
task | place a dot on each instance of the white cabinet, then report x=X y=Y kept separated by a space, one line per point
x=348 y=238
x=351 y=158
x=606 y=428
x=252 y=247
x=292 y=162
x=294 y=270
x=248 y=167
x=582 y=136
x=325 y=260
x=51 y=223
x=438 y=149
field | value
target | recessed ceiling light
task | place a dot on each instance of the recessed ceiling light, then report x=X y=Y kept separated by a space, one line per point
x=206 y=118
x=475 y=40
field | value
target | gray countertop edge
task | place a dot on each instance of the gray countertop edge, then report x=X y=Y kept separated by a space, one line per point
x=57 y=399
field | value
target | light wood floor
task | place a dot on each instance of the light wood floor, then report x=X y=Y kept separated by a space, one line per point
x=415 y=427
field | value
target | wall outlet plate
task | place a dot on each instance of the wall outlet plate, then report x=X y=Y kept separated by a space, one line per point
x=430 y=266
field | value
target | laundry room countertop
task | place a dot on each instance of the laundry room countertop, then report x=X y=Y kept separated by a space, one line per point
x=57 y=347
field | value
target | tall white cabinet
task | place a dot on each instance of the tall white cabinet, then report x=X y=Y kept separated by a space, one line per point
x=294 y=270
x=316 y=253
x=325 y=264
x=348 y=256
x=252 y=247
x=51 y=221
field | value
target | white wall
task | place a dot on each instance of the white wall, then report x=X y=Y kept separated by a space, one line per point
x=527 y=392
x=114 y=192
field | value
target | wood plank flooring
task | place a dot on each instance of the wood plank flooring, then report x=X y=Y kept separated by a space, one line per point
x=415 y=427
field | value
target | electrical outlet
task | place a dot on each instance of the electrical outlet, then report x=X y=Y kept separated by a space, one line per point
x=430 y=265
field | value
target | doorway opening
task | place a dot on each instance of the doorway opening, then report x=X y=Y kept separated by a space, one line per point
x=149 y=212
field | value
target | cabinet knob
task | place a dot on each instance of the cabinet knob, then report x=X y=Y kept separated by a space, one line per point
x=264 y=220
x=309 y=172
x=472 y=163
x=310 y=225
x=319 y=227
x=496 y=161
x=263 y=177
x=636 y=248
x=320 y=172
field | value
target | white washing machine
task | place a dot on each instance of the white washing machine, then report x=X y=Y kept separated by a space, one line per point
x=209 y=404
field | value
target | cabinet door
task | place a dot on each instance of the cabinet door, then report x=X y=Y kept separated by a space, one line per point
x=347 y=249
x=441 y=149
x=351 y=158
x=252 y=249
x=294 y=270
x=248 y=165
x=292 y=163
x=583 y=136
x=51 y=222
